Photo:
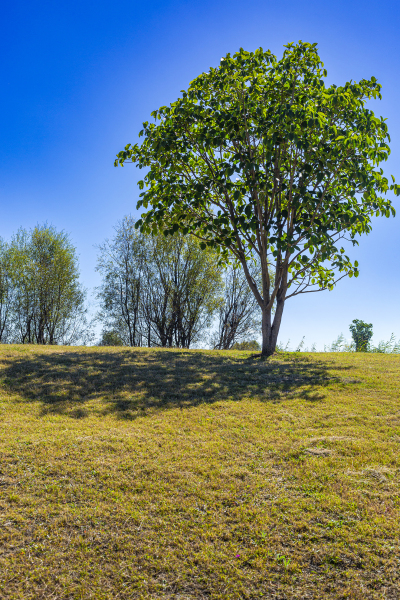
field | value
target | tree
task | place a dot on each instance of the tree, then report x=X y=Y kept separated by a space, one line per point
x=7 y=292
x=183 y=291
x=361 y=333
x=250 y=345
x=157 y=291
x=239 y=314
x=48 y=305
x=121 y=263
x=111 y=338
x=260 y=159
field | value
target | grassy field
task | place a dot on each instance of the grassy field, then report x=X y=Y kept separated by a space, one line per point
x=166 y=474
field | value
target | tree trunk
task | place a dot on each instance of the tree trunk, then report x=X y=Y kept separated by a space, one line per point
x=270 y=330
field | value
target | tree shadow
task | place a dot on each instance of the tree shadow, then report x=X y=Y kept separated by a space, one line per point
x=132 y=382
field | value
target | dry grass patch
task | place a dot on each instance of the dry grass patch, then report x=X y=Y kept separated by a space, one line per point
x=137 y=474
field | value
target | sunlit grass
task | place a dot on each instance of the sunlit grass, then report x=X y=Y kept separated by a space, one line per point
x=136 y=473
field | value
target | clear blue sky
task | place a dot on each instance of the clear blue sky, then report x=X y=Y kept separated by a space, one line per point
x=78 y=79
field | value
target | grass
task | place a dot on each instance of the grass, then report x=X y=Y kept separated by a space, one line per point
x=166 y=474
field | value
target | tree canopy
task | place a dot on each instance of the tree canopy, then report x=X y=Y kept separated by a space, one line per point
x=41 y=298
x=259 y=158
x=157 y=291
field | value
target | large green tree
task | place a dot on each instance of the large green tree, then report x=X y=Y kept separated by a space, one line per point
x=259 y=158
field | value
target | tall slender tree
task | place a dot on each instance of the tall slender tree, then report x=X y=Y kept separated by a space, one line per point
x=48 y=305
x=183 y=292
x=122 y=264
x=7 y=292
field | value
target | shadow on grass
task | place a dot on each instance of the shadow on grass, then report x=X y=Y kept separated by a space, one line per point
x=133 y=382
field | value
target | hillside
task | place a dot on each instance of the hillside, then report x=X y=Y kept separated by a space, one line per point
x=138 y=474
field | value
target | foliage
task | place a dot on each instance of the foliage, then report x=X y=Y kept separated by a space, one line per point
x=48 y=300
x=8 y=291
x=390 y=346
x=184 y=285
x=157 y=291
x=239 y=314
x=247 y=345
x=260 y=159
x=361 y=333
x=156 y=473
x=122 y=265
x=340 y=345
x=111 y=338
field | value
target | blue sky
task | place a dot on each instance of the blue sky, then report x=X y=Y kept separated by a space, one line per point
x=78 y=79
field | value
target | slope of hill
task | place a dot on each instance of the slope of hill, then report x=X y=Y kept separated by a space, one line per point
x=137 y=474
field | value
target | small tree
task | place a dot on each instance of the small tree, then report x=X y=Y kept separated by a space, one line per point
x=122 y=264
x=239 y=315
x=48 y=304
x=111 y=338
x=259 y=159
x=361 y=333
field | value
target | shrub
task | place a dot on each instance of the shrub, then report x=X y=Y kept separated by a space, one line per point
x=361 y=333
x=248 y=345
x=111 y=338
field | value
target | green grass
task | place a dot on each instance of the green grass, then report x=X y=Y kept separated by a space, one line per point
x=166 y=474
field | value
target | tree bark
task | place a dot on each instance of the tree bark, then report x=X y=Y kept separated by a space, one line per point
x=270 y=330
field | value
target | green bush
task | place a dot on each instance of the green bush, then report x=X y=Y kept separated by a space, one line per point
x=111 y=338
x=248 y=345
x=361 y=333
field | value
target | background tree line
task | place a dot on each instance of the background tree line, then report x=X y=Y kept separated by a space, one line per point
x=154 y=291
x=167 y=292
